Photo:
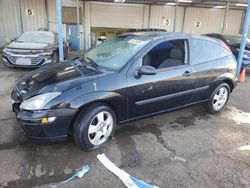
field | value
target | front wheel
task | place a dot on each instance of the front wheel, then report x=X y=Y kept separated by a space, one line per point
x=94 y=127
x=219 y=98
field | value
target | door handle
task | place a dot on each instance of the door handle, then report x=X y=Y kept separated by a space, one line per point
x=187 y=73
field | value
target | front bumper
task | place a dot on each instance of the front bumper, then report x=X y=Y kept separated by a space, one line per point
x=34 y=129
x=36 y=61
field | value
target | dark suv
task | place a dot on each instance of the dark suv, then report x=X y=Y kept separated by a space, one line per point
x=128 y=77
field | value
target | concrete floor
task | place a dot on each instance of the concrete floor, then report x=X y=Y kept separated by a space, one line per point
x=187 y=148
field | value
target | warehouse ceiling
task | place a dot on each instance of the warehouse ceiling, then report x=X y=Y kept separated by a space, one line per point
x=234 y=4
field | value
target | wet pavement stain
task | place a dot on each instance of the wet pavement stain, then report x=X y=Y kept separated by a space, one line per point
x=197 y=114
x=137 y=130
x=46 y=163
x=130 y=157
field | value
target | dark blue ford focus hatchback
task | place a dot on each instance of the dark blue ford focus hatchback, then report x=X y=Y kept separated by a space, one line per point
x=131 y=76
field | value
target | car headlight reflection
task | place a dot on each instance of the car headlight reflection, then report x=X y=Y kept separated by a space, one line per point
x=38 y=102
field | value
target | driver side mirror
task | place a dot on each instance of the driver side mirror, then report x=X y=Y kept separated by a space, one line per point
x=146 y=70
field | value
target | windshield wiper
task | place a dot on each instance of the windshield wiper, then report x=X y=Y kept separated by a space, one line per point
x=91 y=62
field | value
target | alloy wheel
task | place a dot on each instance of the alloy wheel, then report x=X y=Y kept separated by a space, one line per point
x=100 y=128
x=220 y=98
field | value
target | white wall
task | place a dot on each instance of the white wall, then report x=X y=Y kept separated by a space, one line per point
x=211 y=20
x=113 y=15
x=10 y=25
x=159 y=13
x=234 y=21
x=38 y=19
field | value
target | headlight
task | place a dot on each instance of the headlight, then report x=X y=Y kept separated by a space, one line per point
x=38 y=102
x=5 y=50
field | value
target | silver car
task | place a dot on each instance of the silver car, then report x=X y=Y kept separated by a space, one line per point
x=33 y=49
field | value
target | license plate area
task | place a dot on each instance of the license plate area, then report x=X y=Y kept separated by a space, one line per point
x=23 y=61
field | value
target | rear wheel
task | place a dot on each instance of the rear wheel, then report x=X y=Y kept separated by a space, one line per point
x=94 y=127
x=219 y=98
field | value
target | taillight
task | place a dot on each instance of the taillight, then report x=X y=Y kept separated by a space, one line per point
x=225 y=46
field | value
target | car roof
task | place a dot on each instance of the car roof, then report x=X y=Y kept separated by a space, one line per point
x=46 y=32
x=159 y=34
x=155 y=34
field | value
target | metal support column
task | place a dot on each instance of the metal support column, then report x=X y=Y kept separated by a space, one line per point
x=243 y=38
x=175 y=15
x=78 y=26
x=46 y=11
x=20 y=16
x=224 y=24
x=59 y=28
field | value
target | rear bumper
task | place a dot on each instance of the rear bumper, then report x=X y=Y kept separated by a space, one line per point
x=34 y=129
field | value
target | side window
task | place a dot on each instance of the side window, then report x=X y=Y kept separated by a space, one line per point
x=166 y=54
x=204 y=51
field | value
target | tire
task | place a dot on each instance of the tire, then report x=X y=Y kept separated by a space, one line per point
x=218 y=99
x=94 y=126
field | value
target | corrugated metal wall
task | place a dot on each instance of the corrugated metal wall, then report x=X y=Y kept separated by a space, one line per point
x=160 y=13
x=112 y=15
x=116 y=16
x=234 y=21
x=38 y=19
x=210 y=19
x=9 y=21
x=51 y=9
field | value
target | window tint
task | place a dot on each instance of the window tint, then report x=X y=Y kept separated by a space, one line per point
x=204 y=51
x=166 y=54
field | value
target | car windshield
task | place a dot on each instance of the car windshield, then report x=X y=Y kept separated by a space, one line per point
x=113 y=54
x=234 y=39
x=37 y=37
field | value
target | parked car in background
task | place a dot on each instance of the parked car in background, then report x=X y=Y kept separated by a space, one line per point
x=233 y=42
x=131 y=76
x=33 y=49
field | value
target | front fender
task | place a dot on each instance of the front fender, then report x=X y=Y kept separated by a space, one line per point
x=113 y=99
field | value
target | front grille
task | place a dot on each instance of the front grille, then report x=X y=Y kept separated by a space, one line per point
x=34 y=60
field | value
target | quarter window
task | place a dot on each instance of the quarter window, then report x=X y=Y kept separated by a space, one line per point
x=204 y=51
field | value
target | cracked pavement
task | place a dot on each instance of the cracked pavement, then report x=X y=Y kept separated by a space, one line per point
x=186 y=148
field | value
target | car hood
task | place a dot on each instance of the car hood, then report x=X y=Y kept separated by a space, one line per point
x=28 y=46
x=56 y=78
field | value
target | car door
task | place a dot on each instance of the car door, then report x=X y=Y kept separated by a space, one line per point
x=169 y=88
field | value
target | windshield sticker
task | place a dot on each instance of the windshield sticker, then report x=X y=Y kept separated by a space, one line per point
x=135 y=41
